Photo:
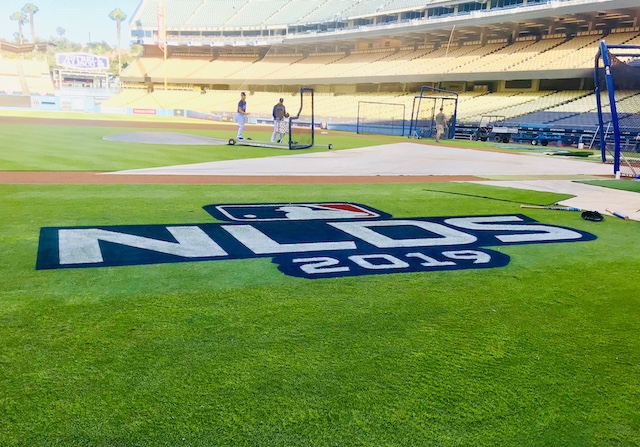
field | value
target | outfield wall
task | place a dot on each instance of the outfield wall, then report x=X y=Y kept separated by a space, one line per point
x=36 y=102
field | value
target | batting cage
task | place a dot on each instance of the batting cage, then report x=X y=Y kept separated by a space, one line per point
x=302 y=126
x=425 y=108
x=617 y=81
x=381 y=118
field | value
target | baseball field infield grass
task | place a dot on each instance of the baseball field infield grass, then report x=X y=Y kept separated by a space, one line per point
x=25 y=147
x=29 y=147
x=544 y=351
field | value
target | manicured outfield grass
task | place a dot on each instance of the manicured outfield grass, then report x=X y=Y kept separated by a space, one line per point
x=28 y=147
x=542 y=352
x=25 y=147
x=91 y=116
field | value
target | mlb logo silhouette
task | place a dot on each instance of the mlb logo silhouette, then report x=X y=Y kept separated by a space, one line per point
x=293 y=211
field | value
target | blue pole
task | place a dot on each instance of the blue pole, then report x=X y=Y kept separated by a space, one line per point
x=596 y=72
x=612 y=105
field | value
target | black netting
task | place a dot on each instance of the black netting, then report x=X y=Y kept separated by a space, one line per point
x=425 y=109
x=381 y=118
x=626 y=73
x=301 y=126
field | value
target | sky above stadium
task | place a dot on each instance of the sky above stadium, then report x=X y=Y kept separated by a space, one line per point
x=83 y=20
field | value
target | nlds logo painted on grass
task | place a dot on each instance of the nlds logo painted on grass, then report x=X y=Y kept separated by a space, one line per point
x=308 y=240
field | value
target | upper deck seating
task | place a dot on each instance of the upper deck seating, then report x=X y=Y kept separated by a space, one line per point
x=557 y=57
x=314 y=65
x=224 y=67
x=267 y=66
x=294 y=8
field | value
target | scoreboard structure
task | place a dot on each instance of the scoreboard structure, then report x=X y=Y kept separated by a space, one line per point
x=81 y=70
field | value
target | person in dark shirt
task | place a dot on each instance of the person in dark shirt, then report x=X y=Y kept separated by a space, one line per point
x=279 y=115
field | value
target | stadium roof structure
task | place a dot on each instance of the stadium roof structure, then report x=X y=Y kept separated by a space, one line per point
x=22 y=48
x=334 y=25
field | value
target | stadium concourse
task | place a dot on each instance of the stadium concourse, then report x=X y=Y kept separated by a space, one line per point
x=418 y=160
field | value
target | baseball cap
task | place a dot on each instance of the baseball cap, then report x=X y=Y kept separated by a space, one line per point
x=281 y=99
x=243 y=94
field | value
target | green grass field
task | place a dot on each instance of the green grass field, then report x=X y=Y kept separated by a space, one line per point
x=81 y=148
x=542 y=352
x=623 y=184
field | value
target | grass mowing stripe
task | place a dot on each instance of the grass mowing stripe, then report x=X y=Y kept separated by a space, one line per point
x=499 y=194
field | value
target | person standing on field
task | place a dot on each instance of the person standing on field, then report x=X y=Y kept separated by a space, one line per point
x=279 y=114
x=441 y=121
x=241 y=114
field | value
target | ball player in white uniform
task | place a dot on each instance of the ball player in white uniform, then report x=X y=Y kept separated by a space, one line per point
x=241 y=114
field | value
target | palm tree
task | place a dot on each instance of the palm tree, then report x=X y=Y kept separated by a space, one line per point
x=21 y=19
x=118 y=16
x=31 y=9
